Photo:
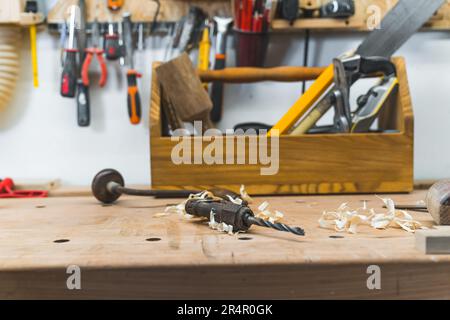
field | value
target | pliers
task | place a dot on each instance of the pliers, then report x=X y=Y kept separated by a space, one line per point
x=90 y=52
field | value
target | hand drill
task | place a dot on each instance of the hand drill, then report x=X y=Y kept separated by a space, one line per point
x=240 y=217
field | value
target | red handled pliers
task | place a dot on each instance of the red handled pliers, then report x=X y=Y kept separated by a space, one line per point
x=90 y=52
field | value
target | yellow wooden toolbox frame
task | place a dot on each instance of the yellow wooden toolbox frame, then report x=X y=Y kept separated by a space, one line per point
x=309 y=164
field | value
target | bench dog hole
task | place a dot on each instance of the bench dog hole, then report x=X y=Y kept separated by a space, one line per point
x=245 y=238
x=153 y=239
x=336 y=237
x=61 y=241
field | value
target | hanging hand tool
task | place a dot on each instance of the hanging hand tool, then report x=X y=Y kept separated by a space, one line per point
x=32 y=6
x=69 y=73
x=90 y=52
x=204 y=51
x=83 y=100
x=338 y=9
x=115 y=5
x=239 y=216
x=113 y=49
x=219 y=64
x=133 y=97
x=289 y=10
x=108 y=185
x=7 y=191
x=397 y=27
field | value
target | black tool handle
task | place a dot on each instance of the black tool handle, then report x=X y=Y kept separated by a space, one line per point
x=217 y=91
x=371 y=65
x=69 y=74
x=83 y=105
x=289 y=10
x=113 y=49
x=224 y=211
x=133 y=97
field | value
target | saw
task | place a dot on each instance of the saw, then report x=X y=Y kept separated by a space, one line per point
x=332 y=88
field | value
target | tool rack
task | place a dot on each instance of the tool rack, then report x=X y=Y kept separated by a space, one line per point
x=11 y=12
x=308 y=164
x=364 y=10
x=173 y=10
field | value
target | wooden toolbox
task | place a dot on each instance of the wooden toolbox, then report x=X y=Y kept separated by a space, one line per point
x=308 y=164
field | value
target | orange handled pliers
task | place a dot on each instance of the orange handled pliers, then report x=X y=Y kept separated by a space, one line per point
x=90 y=52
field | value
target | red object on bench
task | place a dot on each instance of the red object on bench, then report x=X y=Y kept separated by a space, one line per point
x=7 y=191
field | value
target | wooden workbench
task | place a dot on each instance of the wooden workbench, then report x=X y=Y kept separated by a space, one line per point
x=110 y=245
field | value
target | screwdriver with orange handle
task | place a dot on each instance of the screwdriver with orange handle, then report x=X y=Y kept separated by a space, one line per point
x=115 y=5
x=133 y=97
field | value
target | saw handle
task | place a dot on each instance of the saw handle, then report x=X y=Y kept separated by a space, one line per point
x=248 y=75
x=374 y=65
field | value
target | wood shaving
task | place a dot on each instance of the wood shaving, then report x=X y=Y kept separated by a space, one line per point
x=244 y=195
x=345 y=219
x=180 y=208
x=222 y=227
x=268 y=215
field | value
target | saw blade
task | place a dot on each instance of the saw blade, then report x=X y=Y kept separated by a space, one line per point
x=399 y=24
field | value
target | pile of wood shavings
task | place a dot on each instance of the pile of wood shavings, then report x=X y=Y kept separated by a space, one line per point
x=345 y=219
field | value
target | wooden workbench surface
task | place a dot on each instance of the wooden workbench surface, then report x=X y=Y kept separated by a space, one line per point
x=186 y=259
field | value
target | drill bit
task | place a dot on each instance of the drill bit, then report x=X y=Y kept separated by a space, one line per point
x=277 y=226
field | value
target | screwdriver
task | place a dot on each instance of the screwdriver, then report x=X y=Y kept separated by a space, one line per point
x=32 y=6
x=83 y=100
x=112 y=46
x=133 y=97
x=69 y=74
x=240 y=217
x=115 y=5
x=204 y=51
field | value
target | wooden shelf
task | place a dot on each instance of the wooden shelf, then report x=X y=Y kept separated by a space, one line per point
x=11 y=12
x=141 y=10
x=364 y=11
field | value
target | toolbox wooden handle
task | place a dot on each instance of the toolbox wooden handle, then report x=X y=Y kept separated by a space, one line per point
x=247 y=75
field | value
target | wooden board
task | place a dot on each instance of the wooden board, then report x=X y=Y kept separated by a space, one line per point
x=141 y=10
x=192 y=261
x=364 y=10
x=308 y=164
x=11 y=12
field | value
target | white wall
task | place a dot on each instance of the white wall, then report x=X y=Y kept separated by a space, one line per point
x=40 y=139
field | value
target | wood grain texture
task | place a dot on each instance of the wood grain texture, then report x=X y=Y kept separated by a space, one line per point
x=192 y=261
x=179 y=80
x=309 y=164
x=11 y=12
x=141 y=10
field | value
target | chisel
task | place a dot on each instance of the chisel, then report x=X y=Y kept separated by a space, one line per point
x=83 y=101
x=219 y=64
x=32 y=6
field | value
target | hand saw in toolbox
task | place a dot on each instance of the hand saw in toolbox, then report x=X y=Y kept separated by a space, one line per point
x=333 y=86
